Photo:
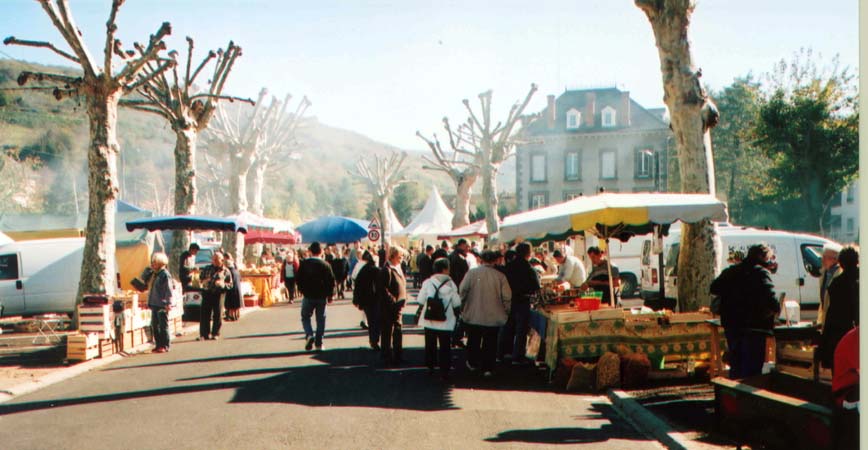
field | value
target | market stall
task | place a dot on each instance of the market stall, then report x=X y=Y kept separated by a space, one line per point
x=573 y=324
x=260 y=280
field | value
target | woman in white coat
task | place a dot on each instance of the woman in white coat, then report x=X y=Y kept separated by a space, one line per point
x=439 y=331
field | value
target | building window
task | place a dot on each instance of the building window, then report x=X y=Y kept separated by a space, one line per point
x=538 y=200
x=571 y=195
x=609 y=118
x=644 y=163
x=851 y=193
x=572 y=166
x=574 y=119
x=538 y=168
x=851 y=225
x=608 y=169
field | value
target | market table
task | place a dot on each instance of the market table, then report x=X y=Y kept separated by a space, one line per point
x=262 y=285
x=569 y=333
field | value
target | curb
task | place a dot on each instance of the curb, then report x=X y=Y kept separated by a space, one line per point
x=645 y=421
x=73 y=371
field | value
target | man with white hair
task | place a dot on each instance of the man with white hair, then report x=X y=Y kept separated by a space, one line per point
x=830 y=271
x=160 y=301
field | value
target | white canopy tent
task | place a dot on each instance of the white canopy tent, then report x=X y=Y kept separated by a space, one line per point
x=434 y=219
x=394 y=224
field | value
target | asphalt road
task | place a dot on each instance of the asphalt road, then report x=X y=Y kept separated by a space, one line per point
x=258 y=389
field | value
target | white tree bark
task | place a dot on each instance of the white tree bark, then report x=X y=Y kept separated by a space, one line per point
x=692 y=116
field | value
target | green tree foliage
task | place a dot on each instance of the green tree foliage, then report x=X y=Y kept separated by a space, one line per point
x=408 y=198
x=48 y=148
x=808 y=128
x=741 y=169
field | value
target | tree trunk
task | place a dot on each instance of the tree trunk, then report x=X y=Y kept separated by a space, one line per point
x=185 y=191
x=489 y=195
x=699 y=259
x=257 y=206
x=383 y=209
x=98 y=269
x=233 y=243
x=464 y=188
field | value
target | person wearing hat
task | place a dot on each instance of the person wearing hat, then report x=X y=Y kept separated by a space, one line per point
x=316 y=282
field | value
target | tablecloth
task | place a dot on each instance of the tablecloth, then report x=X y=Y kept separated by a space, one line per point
x=262 y=286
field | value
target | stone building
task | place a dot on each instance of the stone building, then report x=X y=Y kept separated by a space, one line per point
x=589 y=140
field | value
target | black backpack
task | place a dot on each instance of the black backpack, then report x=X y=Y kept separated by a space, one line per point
x=434 y=309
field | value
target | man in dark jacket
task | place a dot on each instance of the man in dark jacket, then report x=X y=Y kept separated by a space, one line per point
x=317 y=283
x=843 y=313
x=748 y=309
x=340 y=265
x=458 y=268
x=187 y=266
x=442 y=252
x=425 y=264
x=365 y=297
x=524 y=282
x=216 y=280
x=392 y=291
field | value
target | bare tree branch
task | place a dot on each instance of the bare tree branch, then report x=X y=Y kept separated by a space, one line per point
x=155 y=45
x=77 y=44
x=111 y=28
x=12 y=40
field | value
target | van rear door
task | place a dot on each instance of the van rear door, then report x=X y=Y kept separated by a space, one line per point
x=11 y=285
x=809 y=267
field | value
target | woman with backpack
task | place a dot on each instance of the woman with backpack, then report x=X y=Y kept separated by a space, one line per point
x=438 y=298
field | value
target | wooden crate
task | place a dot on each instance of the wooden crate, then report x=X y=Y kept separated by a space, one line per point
x=106 y=348
x=251 y=301
x=95 y=319
x=82 y=347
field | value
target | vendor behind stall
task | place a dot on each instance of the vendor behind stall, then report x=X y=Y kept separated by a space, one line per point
x=570 y=269
x=598 y=279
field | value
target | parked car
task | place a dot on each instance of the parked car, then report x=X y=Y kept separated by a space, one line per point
x=798 y=257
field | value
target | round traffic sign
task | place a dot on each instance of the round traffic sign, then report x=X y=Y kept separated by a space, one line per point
x=374 y=235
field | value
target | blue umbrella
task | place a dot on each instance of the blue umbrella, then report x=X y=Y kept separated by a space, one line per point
x=187 y=223
x=333 y=229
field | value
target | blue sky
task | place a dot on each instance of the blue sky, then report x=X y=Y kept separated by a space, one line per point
x=386 y=69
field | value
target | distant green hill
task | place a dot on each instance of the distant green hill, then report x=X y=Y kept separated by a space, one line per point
x=316 y=183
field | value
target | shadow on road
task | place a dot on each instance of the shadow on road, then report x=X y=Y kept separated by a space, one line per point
x=616 y=429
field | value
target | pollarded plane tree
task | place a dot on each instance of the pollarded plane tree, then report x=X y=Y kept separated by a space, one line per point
x=101 y=85
x=188 y=109
x=496 y=144
x=461 y=163
x=692 y=116
x=251 y=139
x=381 y=180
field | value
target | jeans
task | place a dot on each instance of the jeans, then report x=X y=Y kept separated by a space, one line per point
x=513 y=335
x=481 y=346
x=308 y=307
x=211 y=314
x=432 y=339
x=391 y=335
x=747 y=352
x=290 y=287
x=159 y=326
x=372 y=314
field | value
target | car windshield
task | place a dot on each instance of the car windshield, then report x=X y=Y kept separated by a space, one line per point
x=203 y=257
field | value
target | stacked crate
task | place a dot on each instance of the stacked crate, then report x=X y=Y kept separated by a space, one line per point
x=95 y=319
x=82 y=347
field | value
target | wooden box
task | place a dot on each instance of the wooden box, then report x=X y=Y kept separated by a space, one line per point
x=251 y=301
x=106 y=348
x=82 y=347
x=95 y=319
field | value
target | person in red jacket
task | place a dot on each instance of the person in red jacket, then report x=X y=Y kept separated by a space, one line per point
x=845 y=390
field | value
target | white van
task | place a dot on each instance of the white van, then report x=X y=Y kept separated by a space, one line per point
x=40 y=276
x=798 y=257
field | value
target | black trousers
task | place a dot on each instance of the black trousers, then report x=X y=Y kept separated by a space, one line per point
x=211 y=314
x=391 y=335
x=481 y=346
x=432 y=339
x=290 y=287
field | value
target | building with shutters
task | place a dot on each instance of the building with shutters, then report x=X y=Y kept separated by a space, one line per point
x=589 y=140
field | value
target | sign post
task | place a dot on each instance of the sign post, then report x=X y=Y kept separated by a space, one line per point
x=374 y=230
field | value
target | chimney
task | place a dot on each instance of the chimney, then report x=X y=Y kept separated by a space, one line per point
x=589 y=114
x=624 y=110
x=551 y=112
